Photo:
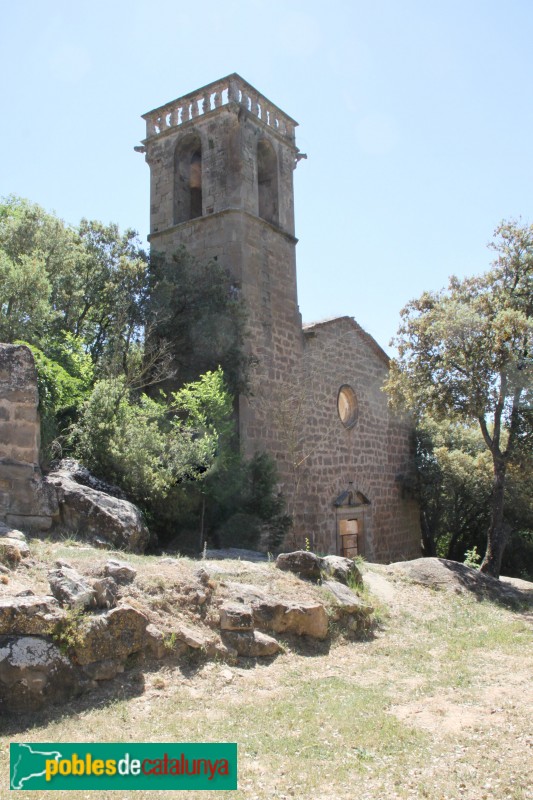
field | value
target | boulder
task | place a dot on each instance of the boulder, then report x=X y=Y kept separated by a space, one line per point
x=251 y=644
x=346 y=601
x=302 y=563
x=80 y=474
x=31 y=615
x=71 y=589
x=236 y=617
x=287 y=616
x=192 y=637
x=341 y=569
x=112 y=634
x=442 y=573
x=120 y=571
x=33 y=672
x=95 y=515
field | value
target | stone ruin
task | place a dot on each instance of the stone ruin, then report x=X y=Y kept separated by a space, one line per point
x=25 y=500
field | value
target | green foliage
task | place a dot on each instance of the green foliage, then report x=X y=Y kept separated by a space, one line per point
x=60 y=392
x=110 y=295
x=24 y=297
x=147 y=446
x=89 y=281
x=245 y=504
x=454 y=485
x=466 y=355
x=177 y=460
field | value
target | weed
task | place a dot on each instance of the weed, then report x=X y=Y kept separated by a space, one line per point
x=170 y=641
x=472 y=558
x=68 y=632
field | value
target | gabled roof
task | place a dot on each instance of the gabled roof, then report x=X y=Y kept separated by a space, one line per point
x=369 y=340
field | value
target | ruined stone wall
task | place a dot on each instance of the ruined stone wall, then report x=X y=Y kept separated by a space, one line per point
x=24 y=500
x=373 y=455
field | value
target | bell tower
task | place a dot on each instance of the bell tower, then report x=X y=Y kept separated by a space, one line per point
x=221 y=162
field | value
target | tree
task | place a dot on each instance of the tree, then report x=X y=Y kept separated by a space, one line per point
x=466 y=354
x=24 y=297
x=89 y=281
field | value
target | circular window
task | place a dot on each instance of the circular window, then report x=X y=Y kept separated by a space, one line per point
x=347 y=406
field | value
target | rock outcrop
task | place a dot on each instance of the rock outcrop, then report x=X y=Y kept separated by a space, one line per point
x=301 y=562
x=34 y=673
x=251 y=644
x=33 y=615
x=287 y=616
x=96 y=515
x=114 y=634
x=340 y=569
x=311 y=567
x=70 y=589
x=52 y=647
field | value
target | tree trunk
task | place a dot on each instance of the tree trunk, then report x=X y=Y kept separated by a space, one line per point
x=497 y=534
x=429 y=548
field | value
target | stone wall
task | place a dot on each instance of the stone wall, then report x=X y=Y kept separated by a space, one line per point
x=25 y=501
x=369 y=459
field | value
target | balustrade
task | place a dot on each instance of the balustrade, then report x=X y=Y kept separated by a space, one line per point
x=229 y=90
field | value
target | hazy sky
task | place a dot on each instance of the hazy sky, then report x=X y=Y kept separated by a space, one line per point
x=416 y=115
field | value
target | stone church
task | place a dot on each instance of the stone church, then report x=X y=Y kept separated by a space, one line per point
x=221 y=163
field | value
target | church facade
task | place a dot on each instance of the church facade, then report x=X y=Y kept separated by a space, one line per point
x=221 y=165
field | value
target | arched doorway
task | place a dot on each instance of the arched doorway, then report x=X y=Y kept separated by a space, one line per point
x=352 y=510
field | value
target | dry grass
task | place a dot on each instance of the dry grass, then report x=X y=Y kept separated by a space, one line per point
x=434 y=706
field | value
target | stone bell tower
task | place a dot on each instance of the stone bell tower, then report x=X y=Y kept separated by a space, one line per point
x=221 y=162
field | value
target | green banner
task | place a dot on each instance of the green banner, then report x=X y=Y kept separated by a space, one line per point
x=123 y=766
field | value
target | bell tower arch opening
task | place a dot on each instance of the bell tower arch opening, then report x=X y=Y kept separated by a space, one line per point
x=267 y=182
x=188 y=179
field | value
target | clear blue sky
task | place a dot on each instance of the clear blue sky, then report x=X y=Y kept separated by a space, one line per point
x=416 y=115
